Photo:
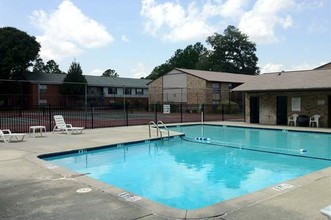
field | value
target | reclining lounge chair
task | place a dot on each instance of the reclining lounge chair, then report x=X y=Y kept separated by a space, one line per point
x=7 y=136
x=60 y=125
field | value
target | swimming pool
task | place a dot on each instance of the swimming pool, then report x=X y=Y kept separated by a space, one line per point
x=186 y=173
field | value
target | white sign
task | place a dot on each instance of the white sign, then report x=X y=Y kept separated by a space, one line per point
x=166 y=109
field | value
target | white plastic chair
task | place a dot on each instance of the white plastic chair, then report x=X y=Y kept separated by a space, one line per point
x=7 y=133
x=293 y=118
x=314 y=120
x=60 y=125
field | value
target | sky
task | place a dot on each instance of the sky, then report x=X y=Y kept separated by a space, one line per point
x=134 y=36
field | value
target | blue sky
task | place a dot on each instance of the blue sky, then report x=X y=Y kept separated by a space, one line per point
x=134 y=36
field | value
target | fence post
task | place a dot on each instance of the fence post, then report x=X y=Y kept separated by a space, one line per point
x=127 y=114
x=222 y=112
x=50 y=117
x=155 y=112
x=181 y=112
x=92 y=118
x=203 y=112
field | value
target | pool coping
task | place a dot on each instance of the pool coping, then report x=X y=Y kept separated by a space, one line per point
x=216 y=210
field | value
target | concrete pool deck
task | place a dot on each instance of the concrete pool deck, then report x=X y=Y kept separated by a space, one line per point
x=31 y=188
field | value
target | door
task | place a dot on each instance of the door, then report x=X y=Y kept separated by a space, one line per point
x=281 y=110
x=329 y=111
x=254 y=108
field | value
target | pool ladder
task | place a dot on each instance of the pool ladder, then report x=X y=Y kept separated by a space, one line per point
x=158 y=130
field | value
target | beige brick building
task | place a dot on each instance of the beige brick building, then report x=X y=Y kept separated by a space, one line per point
x=272 y=97
x=196 y=87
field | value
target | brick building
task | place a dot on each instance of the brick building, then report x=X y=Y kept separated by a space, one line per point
x=44 y=89
x=196 y=87
x=272 y=97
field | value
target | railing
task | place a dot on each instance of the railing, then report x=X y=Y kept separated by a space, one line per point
x=19 y=119
x=165 y=127
x=157 y=129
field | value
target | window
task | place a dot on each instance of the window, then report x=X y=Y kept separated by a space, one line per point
x=216 y=97
x=139 y=92
x=42 y=102
x=127 y=91
x=112 y=90
x=216 y=87
x=43 y=89
x=296 y=104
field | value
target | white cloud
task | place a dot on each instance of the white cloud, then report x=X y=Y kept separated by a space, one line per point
x=302 y=66
x=68 y=32
x=124 y=38
x=96 y=72
x=233 y=8
x=260 y=22
x=139 y=71
x=173 y=22
x=270 y=68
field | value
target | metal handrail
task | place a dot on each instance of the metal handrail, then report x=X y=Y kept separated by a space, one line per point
x=157 y=129
x=160 y=122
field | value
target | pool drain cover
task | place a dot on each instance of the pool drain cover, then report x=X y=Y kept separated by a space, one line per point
x=84 y=190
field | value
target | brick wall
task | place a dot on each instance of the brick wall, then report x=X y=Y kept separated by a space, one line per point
x=155 y=91
x=196 y=89
x=312 y=102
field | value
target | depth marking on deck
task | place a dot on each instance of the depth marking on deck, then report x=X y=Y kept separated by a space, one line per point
x=84 y=190
x=282 y=187
x=129 y=197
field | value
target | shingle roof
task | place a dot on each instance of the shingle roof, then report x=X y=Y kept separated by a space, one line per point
x=294 y=80
x=218 y=76
x=91 y=80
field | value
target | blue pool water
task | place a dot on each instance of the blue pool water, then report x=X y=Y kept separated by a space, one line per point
x=191 y=174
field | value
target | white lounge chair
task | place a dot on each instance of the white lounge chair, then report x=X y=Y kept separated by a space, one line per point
x=7 y=136
x=60 y=125
x=314 y=120
x=327 y=212
x=293 y=118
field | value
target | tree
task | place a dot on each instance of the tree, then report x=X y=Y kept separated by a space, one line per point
x=17 y=51
x=110 y=73
x=233 y=52
x=50 y=67
x=187 y=58
x=38 y=65
x=74 y=82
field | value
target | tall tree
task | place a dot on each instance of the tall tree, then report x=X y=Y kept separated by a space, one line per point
x=52 y=67
x=17 y=51
x=38 y=65
x=110 y=73
x=74 y=82
x=233 y=52
x=187 y=58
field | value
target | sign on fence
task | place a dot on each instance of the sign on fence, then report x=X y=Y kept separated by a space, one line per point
x=166 y=109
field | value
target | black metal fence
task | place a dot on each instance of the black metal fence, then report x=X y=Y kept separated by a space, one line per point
x=19 y=119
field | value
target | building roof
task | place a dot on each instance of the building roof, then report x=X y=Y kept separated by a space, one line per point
x=50 y=78
x=218 y=76
x=324 y=66
x=293 y=80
